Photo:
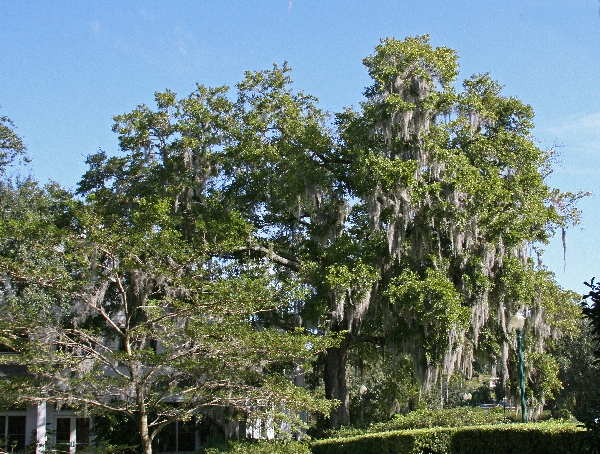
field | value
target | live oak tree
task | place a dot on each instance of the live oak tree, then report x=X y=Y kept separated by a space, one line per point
x=456 y=187
x=413 y=222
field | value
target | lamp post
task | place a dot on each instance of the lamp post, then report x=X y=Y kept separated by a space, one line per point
x=465 y=398
x=363 y=390
x=518 y=322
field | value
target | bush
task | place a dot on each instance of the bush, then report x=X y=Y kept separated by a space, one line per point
x=563 y=413
x=422 y=419
x=453 y=417
x=257 y=447
x=534 y=438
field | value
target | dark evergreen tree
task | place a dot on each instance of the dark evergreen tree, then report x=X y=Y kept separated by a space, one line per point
x=590 y=414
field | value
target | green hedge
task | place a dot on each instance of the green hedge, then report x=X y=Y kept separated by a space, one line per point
x=542 y=438
x=426 y=419
x=257 y=447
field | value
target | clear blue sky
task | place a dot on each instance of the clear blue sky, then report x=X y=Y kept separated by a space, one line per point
x=66 y=67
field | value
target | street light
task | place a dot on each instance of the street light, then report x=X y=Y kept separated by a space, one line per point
x=465 y=398
x=363 y=390
x=518 y=322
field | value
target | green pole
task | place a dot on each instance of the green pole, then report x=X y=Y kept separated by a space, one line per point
x=521 y=375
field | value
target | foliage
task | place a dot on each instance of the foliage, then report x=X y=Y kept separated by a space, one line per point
x=544 y=380
x=259 y=447
x=381 y=385
x=540 y=438
x=591 y=311
x=11 y=144
x=449 y=190
x=590 y=414
x=123 y=302
x=236 y=237
x=454 y=417
x=433 y=309
x=578 y=372
x=557 y=316
x=423 y=418
x=115 y=432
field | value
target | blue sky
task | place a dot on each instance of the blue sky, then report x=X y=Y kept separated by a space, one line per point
x=66 y=67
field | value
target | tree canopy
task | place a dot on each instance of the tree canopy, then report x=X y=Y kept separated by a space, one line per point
x=120 y=302
x=236 y=236
x=11 y=144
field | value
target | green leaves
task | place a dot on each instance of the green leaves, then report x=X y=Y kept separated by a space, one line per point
x=360 y=276
x=234 y=228
x=153 y=288
x=409 y=58
x=11 y=144
x=432 y=309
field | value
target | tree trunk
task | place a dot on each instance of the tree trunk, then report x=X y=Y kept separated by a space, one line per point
x=143 y=421
x=336 y=383
x=145 y=436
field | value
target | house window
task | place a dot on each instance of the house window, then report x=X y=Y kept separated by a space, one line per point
x=82 y=432
x=186 y=436
x=12 y=432
x=72 y=434
x=63 y=434
x=177 y=437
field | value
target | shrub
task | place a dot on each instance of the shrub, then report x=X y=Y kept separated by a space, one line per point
x=546 y=438
x=257 y=447
x=421 y=419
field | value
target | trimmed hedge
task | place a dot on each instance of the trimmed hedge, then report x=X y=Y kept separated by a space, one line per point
x=426 y=419
x=534 y=438
x=257 y=447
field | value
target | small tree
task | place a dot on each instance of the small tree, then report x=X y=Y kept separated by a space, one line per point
x=122 y=303
x=590 y=306
x=578 y=369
